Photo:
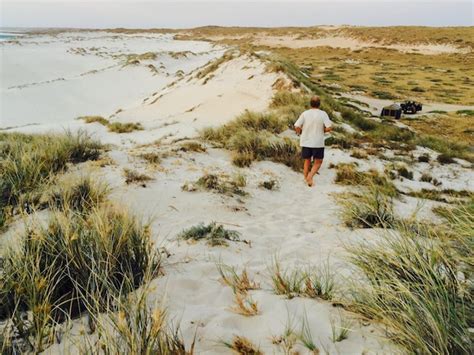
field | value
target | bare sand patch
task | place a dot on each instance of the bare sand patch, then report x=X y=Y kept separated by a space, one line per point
x=355 y=44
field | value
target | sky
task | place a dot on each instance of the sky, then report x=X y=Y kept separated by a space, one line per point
x=263 y=13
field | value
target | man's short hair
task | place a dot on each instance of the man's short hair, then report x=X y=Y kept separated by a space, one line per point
x=315 y=102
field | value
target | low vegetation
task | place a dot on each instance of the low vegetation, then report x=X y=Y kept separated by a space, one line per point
x=116 y=127
x=135 y=177
x=214 y=234
x=347 y=174
x=239 y=283
x=222 y=184
x=243 y=346
x=90 y=253
x=253 y=136
x=370 y=208
x=312 y=282
x=128 y=127
x=134 y=328
x=409 y=274
x=30 y=163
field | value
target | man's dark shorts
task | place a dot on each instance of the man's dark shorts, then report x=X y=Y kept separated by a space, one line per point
x=315 y=153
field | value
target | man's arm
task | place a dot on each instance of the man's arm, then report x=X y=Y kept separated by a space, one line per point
x=299 y=124
x=327 y=124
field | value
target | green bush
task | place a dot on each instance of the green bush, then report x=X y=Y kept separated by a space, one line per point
x=214 y=234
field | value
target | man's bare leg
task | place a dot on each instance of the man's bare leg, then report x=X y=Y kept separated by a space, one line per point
x=314 y=170
x=306 y=167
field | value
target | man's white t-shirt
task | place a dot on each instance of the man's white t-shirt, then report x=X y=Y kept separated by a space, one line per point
x=313 y=122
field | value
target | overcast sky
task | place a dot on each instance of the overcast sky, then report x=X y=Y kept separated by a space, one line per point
x=192 y=13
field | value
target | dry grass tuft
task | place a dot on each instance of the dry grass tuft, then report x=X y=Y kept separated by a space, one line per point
x=132 y=176
x=243 y=346
x=192 y=147
x=93 y=119
x=239 y=283
x=245 y=305
x=118 y=127
x=222 y=184
x=151 y=158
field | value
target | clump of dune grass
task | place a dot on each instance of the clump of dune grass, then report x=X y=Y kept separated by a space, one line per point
x=270 y=184
x=340 y=328
x=319 y=282
x=312 y=282
x=359 y=154
x=151 y=158
x=214 y=234
x=425 y=177
x=243 y=346
x=416 y=286
x=445 y=195
x=445 y=159
x=243 y=159
x=29 y=163
x=370 y=208
x=132 y=176
x=286 y=282
x=254 y=135
x=212 y=66
x=77 y=259
x=306 y=337
x=95 y=119
x=118 y=127
x=403 y=171
x=222 y=184
x=79 y=194
x=244 y=304
x=347 y=174
x=192 y=147
x=133 y=327
x=424 y=158
x=241 y=283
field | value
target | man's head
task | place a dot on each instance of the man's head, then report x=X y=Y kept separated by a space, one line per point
x=315 y=102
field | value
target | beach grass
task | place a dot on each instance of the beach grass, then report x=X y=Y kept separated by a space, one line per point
x=77 y=259
x=214 y=234
x=30 y=163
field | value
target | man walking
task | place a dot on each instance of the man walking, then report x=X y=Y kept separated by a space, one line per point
x=311 y=126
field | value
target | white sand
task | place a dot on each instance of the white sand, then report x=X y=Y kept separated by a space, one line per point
x=300 y=225
x=54 y=79
x=355 y=44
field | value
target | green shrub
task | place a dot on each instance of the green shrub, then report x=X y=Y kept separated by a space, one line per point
x=214 y=234
x=424 y=158
x=223 y=184
x=445 y=159
x=465 y=112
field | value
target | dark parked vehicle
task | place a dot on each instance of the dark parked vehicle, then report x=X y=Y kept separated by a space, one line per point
x=411 y=107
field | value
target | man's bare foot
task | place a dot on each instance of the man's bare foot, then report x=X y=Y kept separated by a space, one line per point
x=309 y=181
